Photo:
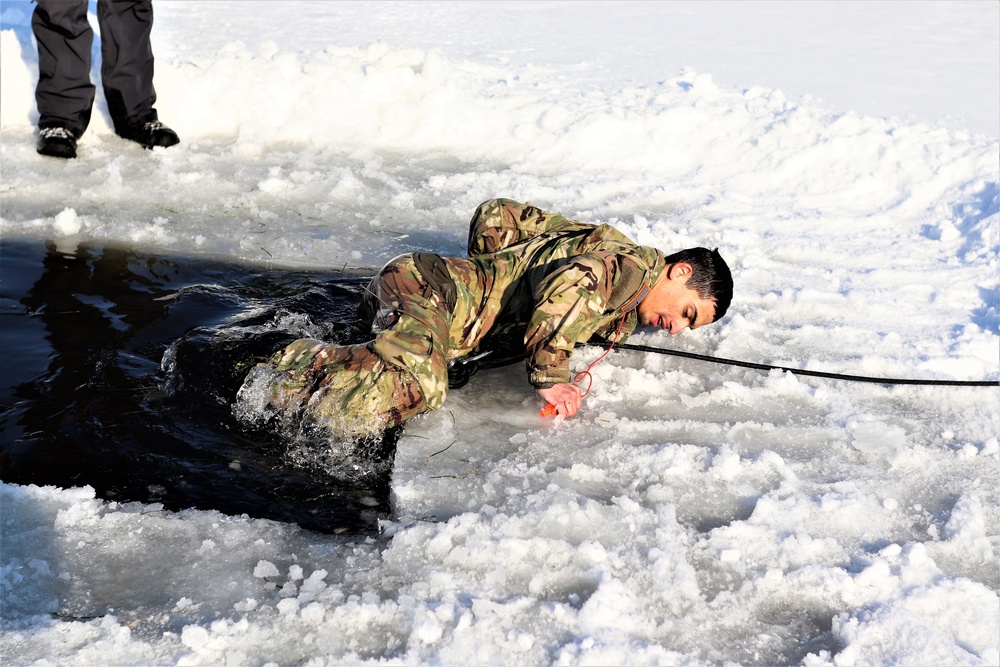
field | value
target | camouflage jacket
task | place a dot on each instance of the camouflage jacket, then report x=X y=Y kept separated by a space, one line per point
x=541 y=283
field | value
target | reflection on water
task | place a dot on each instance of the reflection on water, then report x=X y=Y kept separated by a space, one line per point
x=123 y=372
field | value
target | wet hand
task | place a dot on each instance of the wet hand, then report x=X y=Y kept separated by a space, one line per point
x=566 y=398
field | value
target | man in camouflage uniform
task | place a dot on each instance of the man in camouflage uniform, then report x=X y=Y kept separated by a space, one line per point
x=534 y=281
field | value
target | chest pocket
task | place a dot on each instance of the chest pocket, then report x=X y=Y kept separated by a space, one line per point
x=631 y=287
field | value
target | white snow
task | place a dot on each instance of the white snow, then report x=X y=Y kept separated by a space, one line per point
x=843 y=156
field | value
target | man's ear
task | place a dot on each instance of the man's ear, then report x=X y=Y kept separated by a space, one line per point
x=680 y=271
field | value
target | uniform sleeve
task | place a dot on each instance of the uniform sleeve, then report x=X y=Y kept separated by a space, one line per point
x=570 y=305
x=499 y=223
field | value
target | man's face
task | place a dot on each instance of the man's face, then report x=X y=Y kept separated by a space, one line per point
x=671 y=305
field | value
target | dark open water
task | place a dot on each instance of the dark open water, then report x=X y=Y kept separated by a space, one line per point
x=86 y=398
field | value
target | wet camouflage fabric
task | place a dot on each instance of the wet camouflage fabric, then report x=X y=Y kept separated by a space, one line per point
x=347 y=388
x=534 y=281
x=359 y=389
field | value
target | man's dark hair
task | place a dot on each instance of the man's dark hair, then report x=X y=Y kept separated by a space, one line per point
x=711 y=277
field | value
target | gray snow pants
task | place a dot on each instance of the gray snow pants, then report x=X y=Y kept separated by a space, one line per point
x=65 y=95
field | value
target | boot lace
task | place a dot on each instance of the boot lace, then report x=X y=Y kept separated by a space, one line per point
x=56 y=133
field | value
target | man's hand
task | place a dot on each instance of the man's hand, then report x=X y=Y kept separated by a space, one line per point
x=566 y=397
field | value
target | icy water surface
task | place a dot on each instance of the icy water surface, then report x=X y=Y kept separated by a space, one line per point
x=120 y=371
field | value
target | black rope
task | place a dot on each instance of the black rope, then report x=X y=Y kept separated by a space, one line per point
x=800 y=371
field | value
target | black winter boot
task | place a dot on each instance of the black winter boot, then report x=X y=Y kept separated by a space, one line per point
x=151 y=133
x=56 y=142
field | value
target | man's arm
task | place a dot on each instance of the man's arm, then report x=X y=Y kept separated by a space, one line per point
x=570 y=304
x=499 y=223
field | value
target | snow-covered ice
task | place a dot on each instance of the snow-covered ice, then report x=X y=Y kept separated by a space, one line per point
x=843 y=156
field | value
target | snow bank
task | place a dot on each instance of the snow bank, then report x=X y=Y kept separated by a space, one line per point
x=553 y=553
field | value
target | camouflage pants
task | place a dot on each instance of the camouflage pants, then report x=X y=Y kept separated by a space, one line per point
x=356 y=390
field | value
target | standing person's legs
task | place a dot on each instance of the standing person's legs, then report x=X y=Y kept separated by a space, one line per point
x=64 y=94
x=127 y=60
x=127 y=71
